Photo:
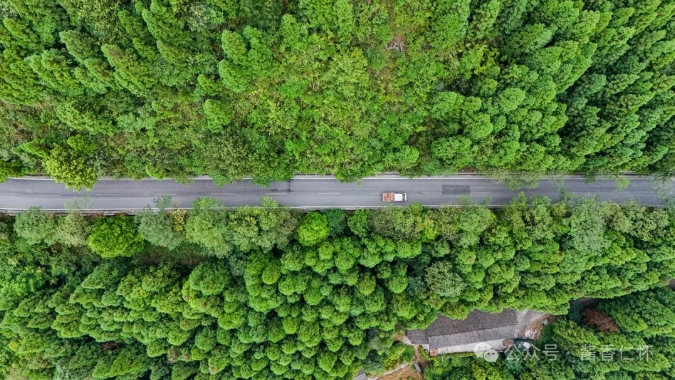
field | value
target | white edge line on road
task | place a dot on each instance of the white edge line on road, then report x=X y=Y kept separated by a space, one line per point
x=123 y=210
x=229 y=207
x=317 y=177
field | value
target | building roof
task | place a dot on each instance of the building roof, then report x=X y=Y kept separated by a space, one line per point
x=478 y=326
x=418 y=336
x=360 y=376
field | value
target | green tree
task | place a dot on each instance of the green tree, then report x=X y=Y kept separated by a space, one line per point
x=74 y=164
x=203 y=226
x=313 y=229
x=72 y=230
x=443 y=281
x=115 y=236
x=36 y=226
x=10 y=169
x=157 y=227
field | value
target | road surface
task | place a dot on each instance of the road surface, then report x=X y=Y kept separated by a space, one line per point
x=307 y=192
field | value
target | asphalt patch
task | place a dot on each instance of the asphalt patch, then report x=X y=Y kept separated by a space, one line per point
x=456 y=189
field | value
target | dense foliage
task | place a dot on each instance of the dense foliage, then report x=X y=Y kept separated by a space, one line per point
x=273 y=293
x=175 y=88
x=643 y=347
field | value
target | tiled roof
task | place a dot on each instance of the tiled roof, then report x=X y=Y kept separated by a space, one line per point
x=487 y=335
x=418 y=336
x=479 y=326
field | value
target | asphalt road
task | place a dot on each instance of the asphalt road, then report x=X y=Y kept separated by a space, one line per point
x=308 y=192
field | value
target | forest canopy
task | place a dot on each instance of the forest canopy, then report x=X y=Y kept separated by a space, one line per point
x=625 y=338
x=178 y=88
x=273 y=293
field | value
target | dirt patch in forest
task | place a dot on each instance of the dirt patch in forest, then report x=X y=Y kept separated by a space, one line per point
x=420 y=359
x=409 y=371
x=532 y=328
x=398 y=43
x=403 y=374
